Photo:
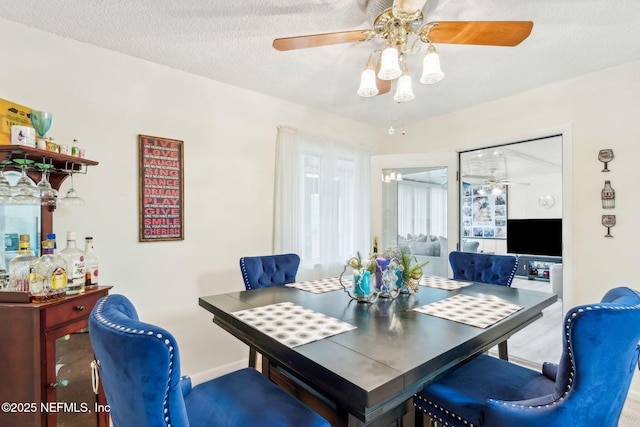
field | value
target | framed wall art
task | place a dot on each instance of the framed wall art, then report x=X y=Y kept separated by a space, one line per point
x=160 y=189
x=484 y=211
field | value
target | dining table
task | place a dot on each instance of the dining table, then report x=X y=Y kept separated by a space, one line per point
x=367 y=359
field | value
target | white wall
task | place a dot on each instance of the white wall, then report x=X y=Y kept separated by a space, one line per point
x=595 y=111
x=523 y=199
x=105 y=100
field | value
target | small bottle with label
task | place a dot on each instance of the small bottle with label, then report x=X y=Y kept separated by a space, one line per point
x=90 y=264
x=75 y=150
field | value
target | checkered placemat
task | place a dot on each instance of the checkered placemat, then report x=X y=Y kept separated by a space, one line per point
x=292 y=324
x=322 y=285
x=443 y=283
x=470 y=310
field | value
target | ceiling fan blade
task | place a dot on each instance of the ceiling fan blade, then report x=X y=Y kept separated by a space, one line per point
x=486 y=177
x=383 y=86
x=409 y=6
x=316 y=40
x=489 y=33
x=512 y=183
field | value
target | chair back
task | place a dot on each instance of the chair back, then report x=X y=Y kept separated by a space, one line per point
x=479 y=267
x=601 y=352
x=269 y=270
x=139 y=366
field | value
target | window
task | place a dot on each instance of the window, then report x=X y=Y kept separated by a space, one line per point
x=321 y=201
x=420 y=209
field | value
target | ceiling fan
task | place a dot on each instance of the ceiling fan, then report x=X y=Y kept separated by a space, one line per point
x=491 y=180
x=397 y=22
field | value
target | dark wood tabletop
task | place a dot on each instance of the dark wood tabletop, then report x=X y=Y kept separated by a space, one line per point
x=393 y=352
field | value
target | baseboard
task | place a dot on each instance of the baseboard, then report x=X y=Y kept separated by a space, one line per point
x=204 y=376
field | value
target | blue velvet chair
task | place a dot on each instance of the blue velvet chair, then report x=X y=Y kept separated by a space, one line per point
x=264 y=271
x=485 y=268
x=587 y=388
x=479 y=267
x=139 y=365
x=269 y=270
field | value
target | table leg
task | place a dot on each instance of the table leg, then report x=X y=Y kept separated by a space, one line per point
x=503 y=353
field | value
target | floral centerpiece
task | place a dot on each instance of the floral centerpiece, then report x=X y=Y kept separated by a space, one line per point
x=408 y=268
x=396 y=272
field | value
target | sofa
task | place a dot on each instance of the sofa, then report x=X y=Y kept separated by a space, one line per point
x=428 y=248
x=433 y=249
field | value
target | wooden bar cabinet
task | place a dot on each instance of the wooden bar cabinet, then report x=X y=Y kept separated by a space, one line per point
x=45 y=351
x=46 y=358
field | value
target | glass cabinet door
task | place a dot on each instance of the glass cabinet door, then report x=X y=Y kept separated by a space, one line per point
x=16 y=220
x=70 y=385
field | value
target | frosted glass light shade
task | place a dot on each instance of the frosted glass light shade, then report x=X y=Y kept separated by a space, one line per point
x=368 y=83
x=389 y=65
x=431 y=72
x=404 y=92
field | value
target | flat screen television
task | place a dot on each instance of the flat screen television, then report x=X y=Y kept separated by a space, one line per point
x=542 y=236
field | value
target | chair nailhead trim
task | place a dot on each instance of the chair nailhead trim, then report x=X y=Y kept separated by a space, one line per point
x=101 y=319
x=245 y=275
x=513 y=272
x=436 y=417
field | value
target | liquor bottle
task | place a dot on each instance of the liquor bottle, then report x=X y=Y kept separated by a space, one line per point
x=21 y=267
x=74 y=259
x=52 y=236
x=50 y=276
x=91 y=264
x=59 y=277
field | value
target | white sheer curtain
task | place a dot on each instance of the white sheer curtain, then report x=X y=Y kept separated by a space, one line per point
x=421 y=208
x=321 y=201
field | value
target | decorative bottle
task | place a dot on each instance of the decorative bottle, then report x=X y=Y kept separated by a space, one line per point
x=21 y=267
x=91 y=264
x=74 y=259
x=608 y=196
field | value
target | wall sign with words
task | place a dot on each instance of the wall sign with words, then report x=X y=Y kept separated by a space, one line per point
x=161 y=189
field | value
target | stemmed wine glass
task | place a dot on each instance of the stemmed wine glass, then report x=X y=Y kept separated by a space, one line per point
x=605 y=156
x=25 y=192
x=41 y=121
x=608 y=221
x=71 y=198
x=48 y=194
x=5 y=185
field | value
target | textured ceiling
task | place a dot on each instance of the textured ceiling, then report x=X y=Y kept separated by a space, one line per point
x=231 y=42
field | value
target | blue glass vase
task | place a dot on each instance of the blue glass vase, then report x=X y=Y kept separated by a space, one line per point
x=362 y=285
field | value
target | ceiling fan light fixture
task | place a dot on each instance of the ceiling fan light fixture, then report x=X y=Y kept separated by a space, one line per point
x=404 y=92
x=389 y=64
x=431 y=71
x=368 y=86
